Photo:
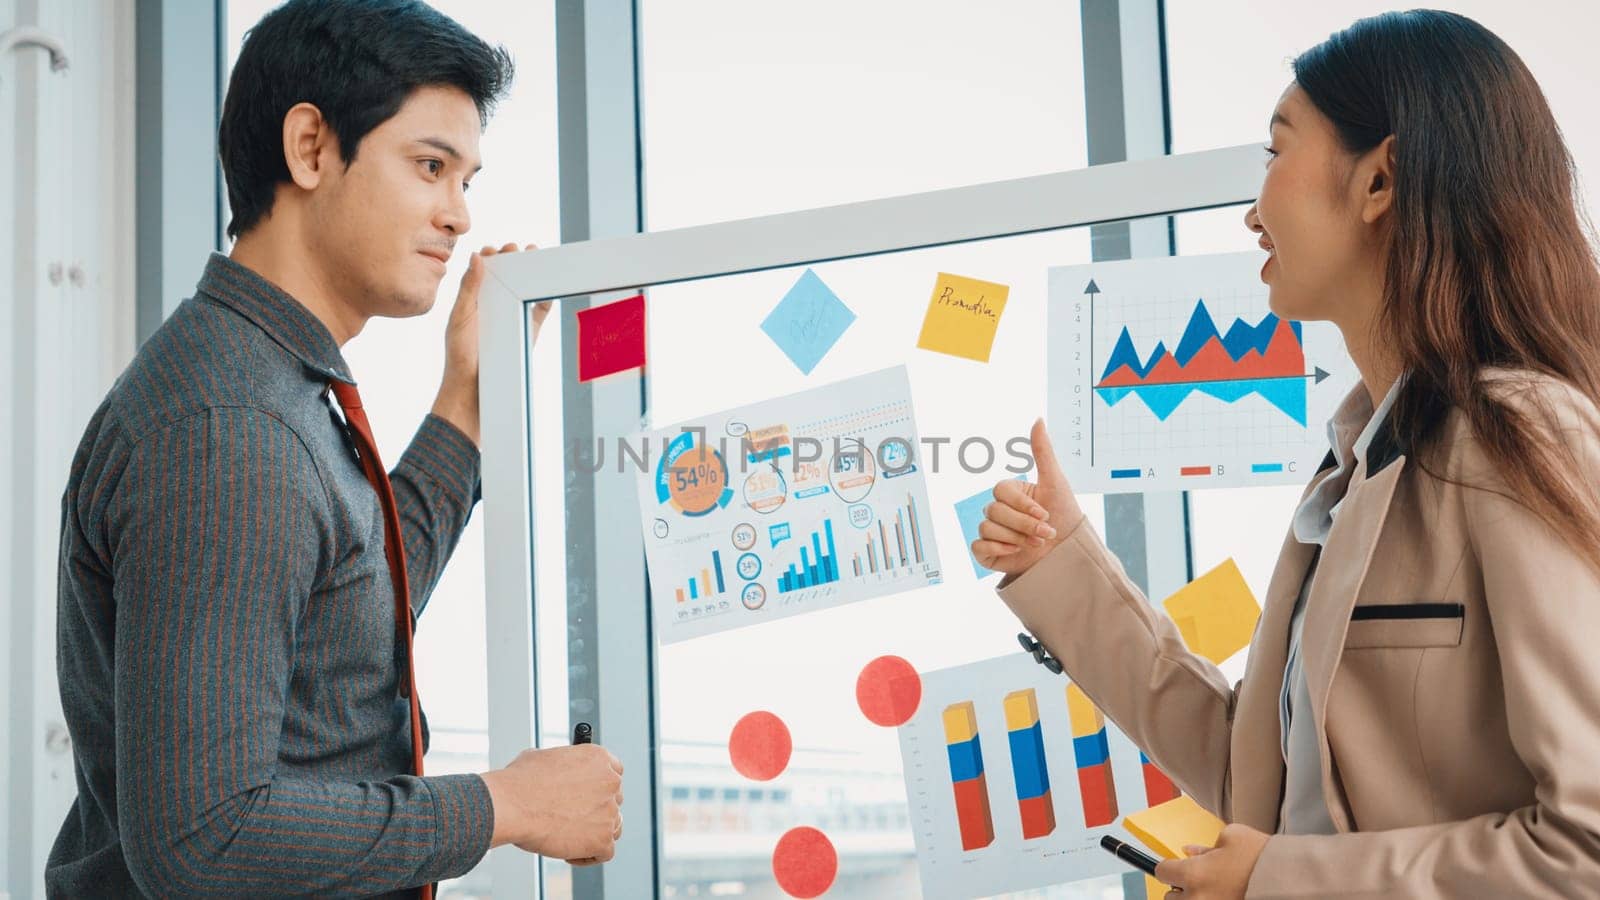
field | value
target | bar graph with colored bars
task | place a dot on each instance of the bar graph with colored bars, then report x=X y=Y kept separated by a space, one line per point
x=882 y=555
x=701 y=587
x=966 y=776
x=1093 y=755
x=1028 y=765
x=816 y=568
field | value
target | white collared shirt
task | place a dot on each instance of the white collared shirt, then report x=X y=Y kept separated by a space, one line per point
x=1305 y=810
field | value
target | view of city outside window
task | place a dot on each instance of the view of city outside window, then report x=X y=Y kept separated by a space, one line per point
x=749 y=109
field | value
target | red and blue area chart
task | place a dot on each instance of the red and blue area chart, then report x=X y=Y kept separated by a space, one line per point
x=1175 y=373
x=1266 y=358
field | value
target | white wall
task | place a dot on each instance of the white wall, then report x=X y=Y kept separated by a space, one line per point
x=66 y=241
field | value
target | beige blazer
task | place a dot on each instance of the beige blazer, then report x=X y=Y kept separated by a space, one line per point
x=1452 y=648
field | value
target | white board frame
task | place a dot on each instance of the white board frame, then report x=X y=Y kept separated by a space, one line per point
x=1073 y=199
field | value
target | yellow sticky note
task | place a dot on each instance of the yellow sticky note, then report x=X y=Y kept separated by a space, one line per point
x=962 y=316
x=1173 y=825
x=1216 y=613
x=1153 y=888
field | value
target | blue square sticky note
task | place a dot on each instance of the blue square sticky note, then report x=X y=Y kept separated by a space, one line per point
x=808 y=321
x=970 y=512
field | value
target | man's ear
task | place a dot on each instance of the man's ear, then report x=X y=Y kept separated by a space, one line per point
x=309 y=145
x=1376 y=169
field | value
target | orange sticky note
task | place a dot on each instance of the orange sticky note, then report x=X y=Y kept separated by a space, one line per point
x=962 y=316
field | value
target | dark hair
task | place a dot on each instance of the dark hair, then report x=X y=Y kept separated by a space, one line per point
x=357 y=61
x=1489 y=262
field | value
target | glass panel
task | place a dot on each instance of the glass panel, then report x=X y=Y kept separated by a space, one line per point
x=846 y=776
x=747 y=111
x=1229 y=60
x=708 y=353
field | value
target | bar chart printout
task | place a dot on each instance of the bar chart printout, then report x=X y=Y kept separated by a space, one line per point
x=819 y=566
x=890 y=547
x=708 y=583
x=1091 y=751
x=1012 y=777
x=1028 y=764
x=966 y=776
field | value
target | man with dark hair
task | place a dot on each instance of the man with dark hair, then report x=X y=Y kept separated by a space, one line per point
x=239 y=576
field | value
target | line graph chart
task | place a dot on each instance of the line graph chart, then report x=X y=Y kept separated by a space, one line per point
x=1174 y=373
x=1267 y=359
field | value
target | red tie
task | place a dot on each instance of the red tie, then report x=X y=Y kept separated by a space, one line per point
x=393 y=548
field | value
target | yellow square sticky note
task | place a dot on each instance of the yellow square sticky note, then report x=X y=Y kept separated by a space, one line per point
x=1169 y=827
x=1216 y=613
x=962 y=316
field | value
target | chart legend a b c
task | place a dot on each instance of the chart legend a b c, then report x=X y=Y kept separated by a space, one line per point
x=1175 y=374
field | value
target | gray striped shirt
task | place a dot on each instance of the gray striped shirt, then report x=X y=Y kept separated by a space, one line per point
x=225 y=640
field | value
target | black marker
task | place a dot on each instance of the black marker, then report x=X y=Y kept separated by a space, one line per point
x=1130 y=854
x=582 y=733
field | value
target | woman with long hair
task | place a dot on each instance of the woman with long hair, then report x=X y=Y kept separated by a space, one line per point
x=1420 y=713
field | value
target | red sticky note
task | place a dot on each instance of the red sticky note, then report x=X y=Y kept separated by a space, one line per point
x=611 y=338
x=805 y=862
x=760 y=746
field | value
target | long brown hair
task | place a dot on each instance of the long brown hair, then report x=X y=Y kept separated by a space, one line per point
x=1490 y=259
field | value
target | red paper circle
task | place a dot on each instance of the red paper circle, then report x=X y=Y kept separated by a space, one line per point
x=760 y=746
x=805 y=862
x=888 y=691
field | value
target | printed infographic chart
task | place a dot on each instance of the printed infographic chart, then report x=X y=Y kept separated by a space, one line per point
x=792 y=505
x=1012 y=777
x=1174 y=374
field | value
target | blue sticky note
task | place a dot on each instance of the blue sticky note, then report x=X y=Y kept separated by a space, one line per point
x=970 y=512
x=808 y=321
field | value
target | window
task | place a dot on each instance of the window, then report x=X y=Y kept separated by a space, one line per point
x=747 y=113
x=845 y=775
x=748 y=110
x=1229 y=60
x=744 y=112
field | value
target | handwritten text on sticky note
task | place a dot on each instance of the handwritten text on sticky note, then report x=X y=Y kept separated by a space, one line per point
x=962 y=316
